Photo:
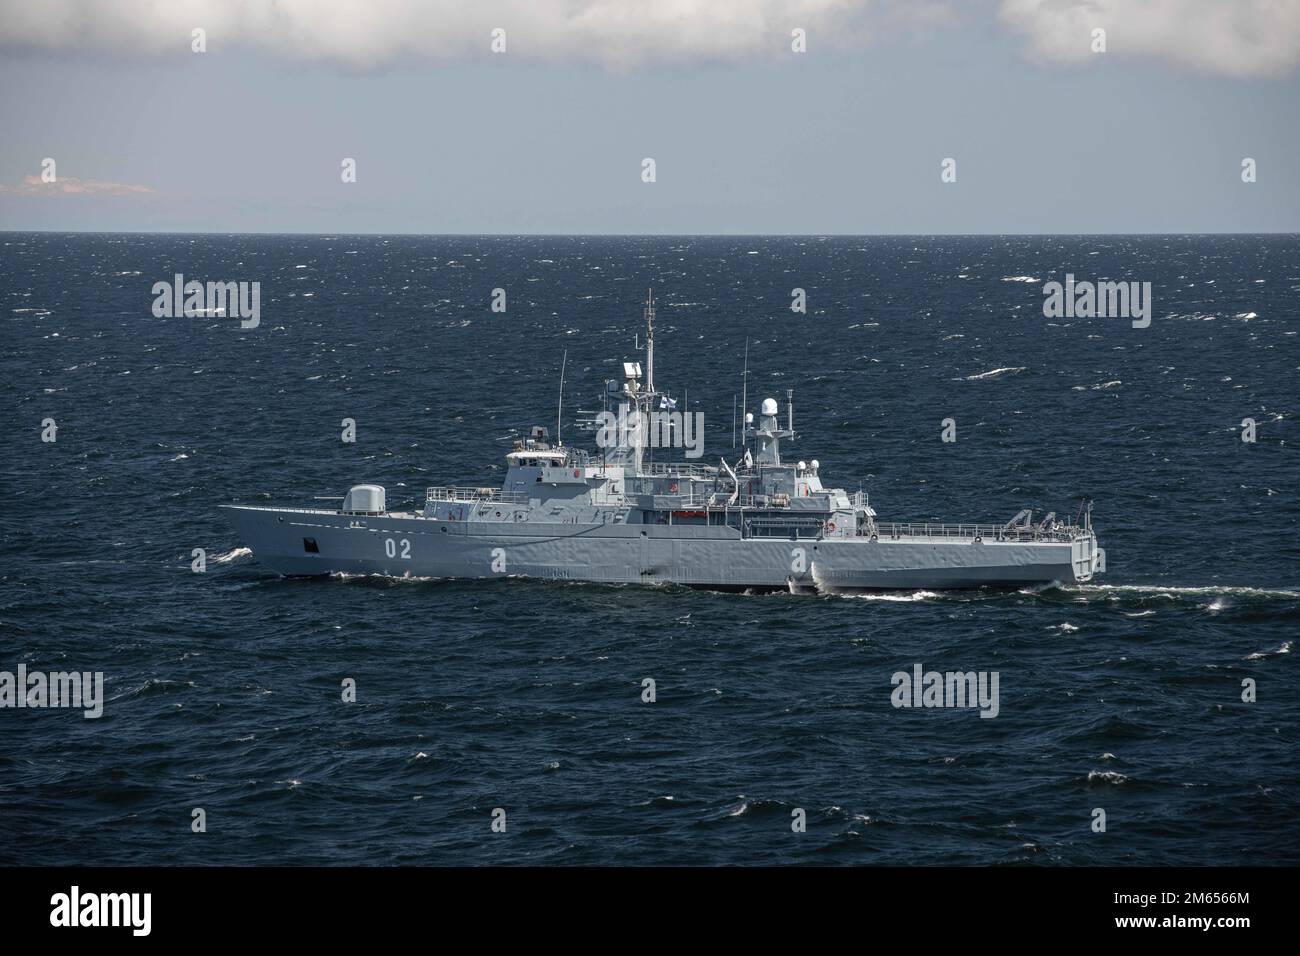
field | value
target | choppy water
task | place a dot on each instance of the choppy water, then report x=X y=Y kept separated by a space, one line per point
x=224 y=687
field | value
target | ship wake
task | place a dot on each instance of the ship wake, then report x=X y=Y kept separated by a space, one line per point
x=1177 y=592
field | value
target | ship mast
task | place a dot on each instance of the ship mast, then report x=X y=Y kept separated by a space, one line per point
x=650 y=342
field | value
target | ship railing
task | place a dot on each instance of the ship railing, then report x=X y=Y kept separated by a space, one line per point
x=722 y=499
x=672 y=489
x=784 y=527
x=675 y=499
x=991 y=532
x=682 y=469
x=858 y=499
x=453 y=493
x=704 y=499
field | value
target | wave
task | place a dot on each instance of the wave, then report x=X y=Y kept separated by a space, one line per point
x=1107 y=776
x=996 y=373
x=376 y=578
x=152 y=686
x=1261 y=655
x=233 y=554
x=915 y=596
x=1175 y=591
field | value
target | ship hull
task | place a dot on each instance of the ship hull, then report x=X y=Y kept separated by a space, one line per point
x=301 y=542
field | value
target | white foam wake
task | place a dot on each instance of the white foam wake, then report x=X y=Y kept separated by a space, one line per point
x=1176 y=590
x=232 y=555
x=915 y=596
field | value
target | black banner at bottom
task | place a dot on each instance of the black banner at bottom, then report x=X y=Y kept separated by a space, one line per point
x=337 y=905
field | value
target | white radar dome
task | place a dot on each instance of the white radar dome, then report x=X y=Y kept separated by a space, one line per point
x=769 y=406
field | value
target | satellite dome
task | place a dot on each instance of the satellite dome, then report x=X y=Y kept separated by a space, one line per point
x=803 y=465
x=769 y=406
x=816 y=464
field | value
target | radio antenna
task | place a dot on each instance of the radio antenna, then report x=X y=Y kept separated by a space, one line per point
x=559 y=409
x=744 y=389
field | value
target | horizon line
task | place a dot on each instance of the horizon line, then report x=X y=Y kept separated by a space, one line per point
x=636 y=235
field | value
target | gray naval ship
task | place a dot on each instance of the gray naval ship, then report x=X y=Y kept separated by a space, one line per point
x=618 y=516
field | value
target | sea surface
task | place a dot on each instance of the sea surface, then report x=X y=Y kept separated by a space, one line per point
x=224 y=688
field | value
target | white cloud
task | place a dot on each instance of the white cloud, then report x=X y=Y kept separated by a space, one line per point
x=371 y=33
x=34 y=186
x=1234 y=37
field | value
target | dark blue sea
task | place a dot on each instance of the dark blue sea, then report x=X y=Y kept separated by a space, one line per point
x=224 y=688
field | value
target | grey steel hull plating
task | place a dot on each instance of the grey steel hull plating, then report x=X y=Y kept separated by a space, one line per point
x=405 y=544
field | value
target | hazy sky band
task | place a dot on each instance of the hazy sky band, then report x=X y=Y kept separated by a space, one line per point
x=747 y=135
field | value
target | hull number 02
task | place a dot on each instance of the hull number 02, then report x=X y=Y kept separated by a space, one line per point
x=398 y=548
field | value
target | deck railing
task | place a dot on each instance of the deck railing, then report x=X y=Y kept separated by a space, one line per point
x=991 y=532
x=683 y=469
x=453 y=493
x=783 y=527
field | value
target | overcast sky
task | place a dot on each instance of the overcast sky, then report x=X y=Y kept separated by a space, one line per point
x=747 y=135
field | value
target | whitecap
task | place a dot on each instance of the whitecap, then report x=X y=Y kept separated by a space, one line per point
x=1261 y=655
x=996 y=373
x=1109 y=776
